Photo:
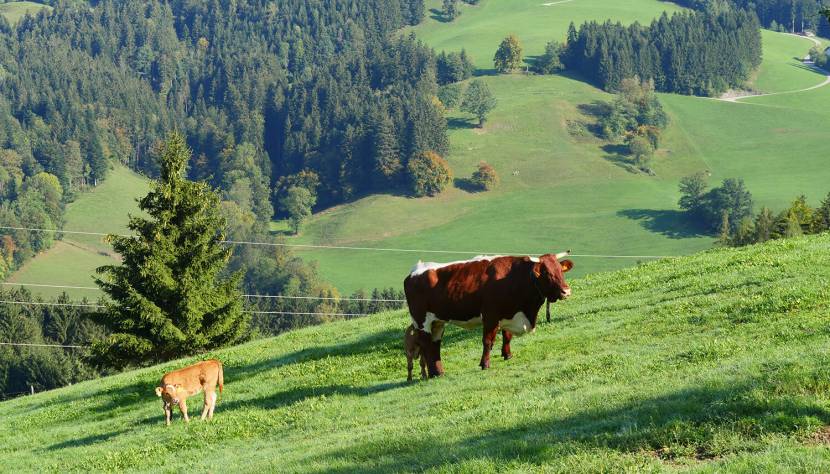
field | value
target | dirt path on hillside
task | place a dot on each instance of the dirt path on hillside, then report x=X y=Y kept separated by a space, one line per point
x=735 y=96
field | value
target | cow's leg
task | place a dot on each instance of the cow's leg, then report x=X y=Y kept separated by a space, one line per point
x=432 y=351
x=206 y=408
x=506 y=336
x=168 y=414
x=487 y=341
x=213 y=397
x=183 y=409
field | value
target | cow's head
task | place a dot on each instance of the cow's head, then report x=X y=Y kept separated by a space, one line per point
x=550 y=275
x=169 y=393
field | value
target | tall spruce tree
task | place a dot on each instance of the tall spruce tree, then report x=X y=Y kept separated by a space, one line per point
x=169 y=297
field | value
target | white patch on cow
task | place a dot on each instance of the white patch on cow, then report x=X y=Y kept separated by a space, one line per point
x=422 y=267
x=431 y=318
x=469 y=324
x=518 y=325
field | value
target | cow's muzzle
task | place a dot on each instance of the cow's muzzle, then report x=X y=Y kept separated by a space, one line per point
x=566 y=292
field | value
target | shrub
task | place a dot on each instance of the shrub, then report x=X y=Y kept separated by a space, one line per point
x=429 y=174
x=485 y=176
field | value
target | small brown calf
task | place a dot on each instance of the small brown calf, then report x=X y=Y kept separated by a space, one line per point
x=176 y=386
x=413 y=350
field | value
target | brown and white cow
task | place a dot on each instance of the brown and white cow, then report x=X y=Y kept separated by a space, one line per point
x=493 y=292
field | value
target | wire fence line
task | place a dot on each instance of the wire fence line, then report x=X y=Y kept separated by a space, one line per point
x=344 y=247
x=288 y=297
x=84 y=305
x=32 y=344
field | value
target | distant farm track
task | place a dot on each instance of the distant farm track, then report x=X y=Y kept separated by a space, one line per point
x=805 y=89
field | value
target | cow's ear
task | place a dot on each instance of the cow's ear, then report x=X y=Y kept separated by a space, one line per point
x=537 y=269
x=566 y=265
x=158 y=391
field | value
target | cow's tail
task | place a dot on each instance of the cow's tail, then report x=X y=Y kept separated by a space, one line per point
x=221 y=379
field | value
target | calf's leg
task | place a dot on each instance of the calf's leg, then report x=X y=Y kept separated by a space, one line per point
x=168 y=414
x=409 y=367
x=487 y=342
x=206 y=408
x=506 y=336
x=183 y=409
x=423 y=363
x=213 y=397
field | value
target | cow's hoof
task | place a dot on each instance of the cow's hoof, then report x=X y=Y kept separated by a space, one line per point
x=507 y=356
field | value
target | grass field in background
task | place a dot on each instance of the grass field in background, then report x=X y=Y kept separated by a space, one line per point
x=569 y=192
x=711 y=363
x=72 y=262
x=14 y=11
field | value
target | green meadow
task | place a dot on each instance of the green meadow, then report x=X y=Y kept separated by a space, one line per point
x=73 y=260
x=14 y=11
x=562 y=188
x=715 y=362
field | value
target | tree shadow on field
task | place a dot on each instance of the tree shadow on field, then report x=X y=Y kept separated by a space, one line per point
x=85 y=441
x=467 y=185
x=458 y=123
x=485 y=72
x=298 y=394
x=379 y=341
x=618 y=155
x=596 y=110
x=438 y=15
x=668 y=222
x=686 y=424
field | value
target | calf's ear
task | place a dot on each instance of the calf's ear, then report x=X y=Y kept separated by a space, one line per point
x=566 y=265
x=158 y=391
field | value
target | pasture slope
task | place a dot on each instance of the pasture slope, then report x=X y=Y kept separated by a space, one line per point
x=73 y=260
x=572 y=190
x=14 y=11
x=715 y=362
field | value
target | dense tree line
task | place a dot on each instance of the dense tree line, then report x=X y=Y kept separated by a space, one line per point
x=263 y=91
x=780 y=15
x=796 y=220
x=701 y=52
x=42 y=368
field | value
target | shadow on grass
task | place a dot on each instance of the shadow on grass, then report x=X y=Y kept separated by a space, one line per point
x=458 y=123
x=437 y=15
x=691 y=424
x=298 y=394
x=467 y=184
x=485 y=72
x=378 y=341
x=668 y=222
x=85 y=441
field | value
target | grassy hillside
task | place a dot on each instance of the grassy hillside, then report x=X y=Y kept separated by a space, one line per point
x=570 y=190
x=715 y=362
x=14 y=11
x=73 y=260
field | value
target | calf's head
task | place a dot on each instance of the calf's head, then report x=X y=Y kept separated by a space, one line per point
x=550 y=275
x=169 y=393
